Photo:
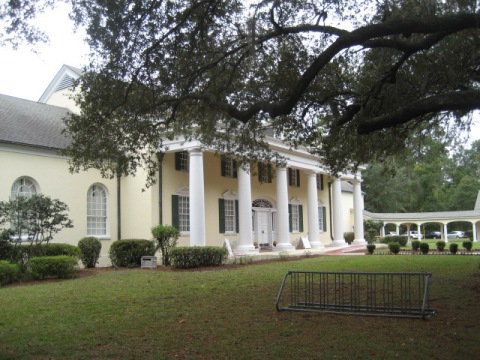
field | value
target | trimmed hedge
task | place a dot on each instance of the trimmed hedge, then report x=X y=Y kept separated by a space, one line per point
x=349 y=237
x=22 y=253
x=129 y=252
x=416 y=245
x=400 y=239
x=453 y=248
x=62 y=266
x=394 y=247
x=441 y=245
x=197 y=256
x=89 y=251
x=424 y=247
x=8 y=272
x=467 y=245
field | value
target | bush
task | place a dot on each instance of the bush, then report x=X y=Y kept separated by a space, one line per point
x=467 y=245
x=453 y=248
x=415 y=245
x=128 y=253
x=8 y=272
x=60 y=249
x=349 y=237
x=89 y=251
x=198 y=256
x=469 y=234
x=441 y=245
x=424 y=247
x=394 y=247
x=62 y=266
x=5 y=245
x=371 y=248
x=21 y=254
x=166 y=237
x=400 y=239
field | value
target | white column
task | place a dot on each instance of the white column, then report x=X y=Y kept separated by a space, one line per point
x=313 y=225
x=197 y=198
x=474 y=231
x=338 y=239
x=398 y=229
x=244 y=213
x=358 y=213
x=445 y=237
x=282 y=211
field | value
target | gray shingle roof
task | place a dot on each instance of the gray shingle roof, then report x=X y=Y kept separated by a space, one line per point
x=30 y=123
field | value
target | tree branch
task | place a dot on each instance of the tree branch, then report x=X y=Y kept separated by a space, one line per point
x=456 y=101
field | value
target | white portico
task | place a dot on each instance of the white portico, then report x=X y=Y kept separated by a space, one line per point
x=301 y=200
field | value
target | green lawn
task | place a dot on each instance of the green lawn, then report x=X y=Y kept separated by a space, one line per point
x=230 y=314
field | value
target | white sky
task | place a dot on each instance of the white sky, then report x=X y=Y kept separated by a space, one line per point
x=26 y=74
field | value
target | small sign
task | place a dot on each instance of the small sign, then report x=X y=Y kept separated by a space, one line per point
x=226 y=244
x=304 y=243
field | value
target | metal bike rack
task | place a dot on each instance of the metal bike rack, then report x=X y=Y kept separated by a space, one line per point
x=356 y=293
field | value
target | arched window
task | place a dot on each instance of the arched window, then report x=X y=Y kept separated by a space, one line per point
x=97 y=211
x=25 y=187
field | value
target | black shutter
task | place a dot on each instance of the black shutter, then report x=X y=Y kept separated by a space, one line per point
x=237 y=229
x=221 y=215
x=234 y=168
x=300 y=217
x=298 y=178
x=269 y=168
x=175 y=219
x=177 y=160
x=324 y=217
x=290 y=217
x=290 y=177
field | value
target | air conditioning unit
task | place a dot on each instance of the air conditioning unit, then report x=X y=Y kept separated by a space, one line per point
x=149 y=262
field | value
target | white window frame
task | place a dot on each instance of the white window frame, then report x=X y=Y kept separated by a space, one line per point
x=24 y=186
x=97 y=212
x=295 y=215
x=229 y=198
x=320 y=217
x=184 y=214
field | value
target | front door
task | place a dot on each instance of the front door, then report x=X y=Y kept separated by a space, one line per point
x=263 y=230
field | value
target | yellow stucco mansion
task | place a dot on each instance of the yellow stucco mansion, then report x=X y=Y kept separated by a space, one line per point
x=202 y=193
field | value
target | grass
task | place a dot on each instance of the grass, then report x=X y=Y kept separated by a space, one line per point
x=230 y=314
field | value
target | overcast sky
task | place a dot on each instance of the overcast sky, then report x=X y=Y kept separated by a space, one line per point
x=26 y=74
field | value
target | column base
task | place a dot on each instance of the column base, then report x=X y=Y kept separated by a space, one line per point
x=339 y=243
x=359 y=242
x=284 y=247
x=245 y=250
x=316 y=245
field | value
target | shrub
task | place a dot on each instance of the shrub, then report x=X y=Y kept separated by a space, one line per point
x=400 y=239
x=8 y=272
x=394 y=247
x=198 y=256
x=371 y=235
x=349 y=237
x=415 y=245
x=60 y=249
x=166 y=237
x=5 y=245
x=62 y=266
x=128 y=253
x=89 y=251
x=453 y=248
x=441 y=245
x=424 y=247
x=467 y=245
x=371 y=248
x=469 y=234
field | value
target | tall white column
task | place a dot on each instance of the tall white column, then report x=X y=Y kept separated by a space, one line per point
x=445 y=237
x=358 y=213
x=338 y=239
x=313 y=225
x=244 y=213
x=282 y=211
x=197 y=198
x=474 y=229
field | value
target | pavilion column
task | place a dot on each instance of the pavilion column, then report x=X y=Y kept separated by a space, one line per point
x=358 y=213
x=398 y=229
x=282 y=211
x=338 y=239
x=244 y=213
x=474 y=231
x=197 y=198
x=445 y=232
x=313 y=225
